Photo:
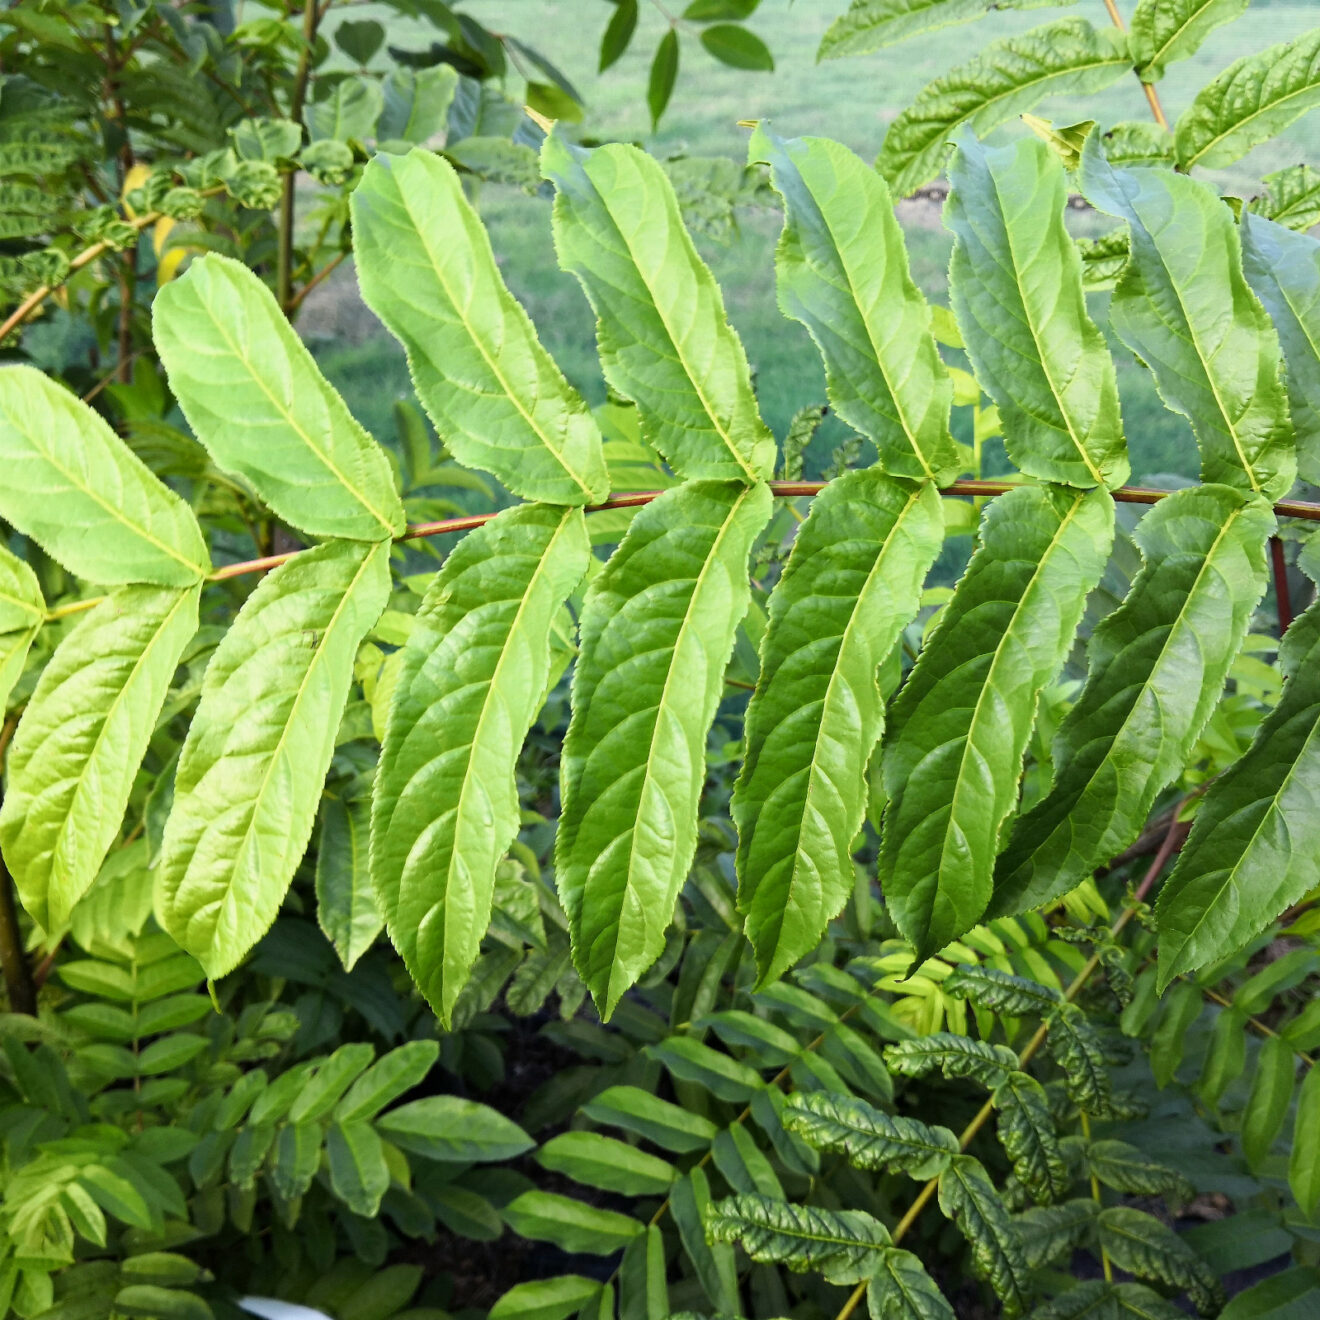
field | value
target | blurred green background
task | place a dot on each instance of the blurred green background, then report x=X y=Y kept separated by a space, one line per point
x=851 y=100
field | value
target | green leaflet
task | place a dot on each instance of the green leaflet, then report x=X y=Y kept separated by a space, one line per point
x=1292 y=197
x=604 y=1162
x=1000 y=992
x=1015 y=282
x=22 y=612
x=868 y=1137
x=496 y=397
x=1027 y=1133
x=852 y=584
x=1271 y=1094
x=359 y=1174
x=1253 y=100
x=1127 y=1169
x=663 y=338
x=1006 y=78
x=871 y=25
x=73 y=486
x=1254 y=848
x=417 y=103
x=842 y=271
x=257 y=400
x=346 y=908
x=900 y=1289
x=1079 y=1052
x=1094 y=1299
x=252 y=767
x=1164 y=31
x=1304 y=1161
x=962 y=720
x=968 y=1197
x=81 y=740
x=657 y=629
x=842 y=1245
x=474 y=675
x=954 y=1056
x=548 y=1299
x=1185 y=309
x=1048 y=1231
x=1156 y=668
x=1141 y=1245
x=572 y=1225
x=1283 y=269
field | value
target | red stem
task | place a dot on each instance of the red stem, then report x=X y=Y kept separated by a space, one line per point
x=1282 y=596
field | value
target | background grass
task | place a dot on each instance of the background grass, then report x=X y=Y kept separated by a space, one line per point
x=851 y=100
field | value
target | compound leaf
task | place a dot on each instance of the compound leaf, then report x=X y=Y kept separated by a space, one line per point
x=256 y=399
x=1253 y=847
x=1156 y=668
x=656 y=633
x=473 y=676
x=663 y=337
x=77 y=490
x=842 y=1245
x=252 y=767
x=962 y=720
x=1185 y=309
x=496 y=397
x=1015 y=282
x=1006 y=78
x=842 y=271
x=81 y=740
x=1252 y=101
x=852 y=584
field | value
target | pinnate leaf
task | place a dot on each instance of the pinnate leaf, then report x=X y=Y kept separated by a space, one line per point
x=656 y=633
x=1185 y=309
x=842 y=271
x=252 y=767
x=496 y=397
x=1015 y=282
x=663 y=337
x=962 y=720
x=1252 y=101
x=256 y=399
x=474 y=673
x=841 y=1245
x=868 y=1137
x=852 y=584
x=1156 y=667
x=77 y=490
x=78 y=747
x=1005 y=79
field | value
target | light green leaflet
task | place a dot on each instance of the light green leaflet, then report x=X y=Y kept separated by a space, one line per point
x=73 y=486
x=1283 y=268
x=1254 y=848
x=843 y=272
x=1005 y=79
x=346 y=907
x=657 y=631
x=257 y=400
x=1252 y=101
x=22 y=612
x=474 y=675
x=1156 y=668
x=661 y=330
x=80 y=742
x=1185 y=309
x=961 y=722
x=871 y=25
x=496 y=397
x=252 y=768
x=852 y=584
x=1164 y=31
x=1293 y=197
x=1015 y=282
x=417 y=103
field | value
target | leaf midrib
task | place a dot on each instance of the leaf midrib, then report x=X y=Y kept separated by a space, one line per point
x=510 y=393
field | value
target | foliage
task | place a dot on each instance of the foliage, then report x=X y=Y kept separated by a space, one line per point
x=826 y=894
